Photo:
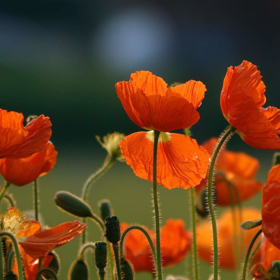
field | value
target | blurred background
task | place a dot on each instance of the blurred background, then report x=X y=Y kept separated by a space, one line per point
x=62 y=58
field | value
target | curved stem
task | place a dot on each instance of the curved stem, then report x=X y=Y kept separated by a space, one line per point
x=49 y=271
x=10 y=260
x=248 y=254
x=228 y=132
x=109 y=161
x=84 y=248
x=156 y=206
x=36 y=200
x=147 y=236
x=194 y=245
x=117 y=259
x=98 y=221
x=10 y=200
x=21 y=275
x=6 y=185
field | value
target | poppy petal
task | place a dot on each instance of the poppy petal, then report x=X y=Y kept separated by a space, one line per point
x=28 y=228
x=40 y=244
x=273 y=115
x=181 y=162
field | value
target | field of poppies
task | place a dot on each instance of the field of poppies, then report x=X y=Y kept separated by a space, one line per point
x=218 y=231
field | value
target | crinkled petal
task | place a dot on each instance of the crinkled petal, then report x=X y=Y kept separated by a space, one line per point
x=181 y=162
x=273 y=115
x=28 y=228
x=40 y=244
x=192 y=91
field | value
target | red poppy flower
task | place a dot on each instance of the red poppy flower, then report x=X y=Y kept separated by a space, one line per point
x=271 y=207
x=225 y=237
x=36 y=243
x=234 y=168
x=268 y=254
x=175 y=244
x=18 y=141
x=23 y=171
x=150 y=104
x=241 y=101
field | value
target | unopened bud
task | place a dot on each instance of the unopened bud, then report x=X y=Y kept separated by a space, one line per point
x=105 y=209
x=72 y=204
x=55 y=263
x=276 y=159
x=78 y=270
x=126 y=270
x=112 y=229
x=10 y=276
x=101 y=255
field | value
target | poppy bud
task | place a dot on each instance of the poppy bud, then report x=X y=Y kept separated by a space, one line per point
x=101 y=255
x=112 y=229
x=55 y=263
x=10 y=276
x=276 y=159
x=105 y=209
x=201 y=203
x=126 y=270
x=72 y=204
x=78 y=270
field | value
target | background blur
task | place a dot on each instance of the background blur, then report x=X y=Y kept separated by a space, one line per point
x=62 y=58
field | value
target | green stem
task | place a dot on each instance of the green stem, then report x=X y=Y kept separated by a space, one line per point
x=147 y=236
x=111 y=261
x=109 y=161
x=1 y=261
x=248 y=254
x=117 y=259
x=84 y=248
x=20 y=267
x=46 y=270
x=228 y=132
x=10 y=261
x=194 y=245
x=98 y=221
x=36 y=200
x=156 y=206
x=10 y=200
x=6 y=185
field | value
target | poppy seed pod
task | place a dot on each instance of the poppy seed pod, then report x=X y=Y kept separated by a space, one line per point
x=126 y=270
x=112 y=229
x=79 y=270
x=105 y=209
x=101 y=255
x=72 y=204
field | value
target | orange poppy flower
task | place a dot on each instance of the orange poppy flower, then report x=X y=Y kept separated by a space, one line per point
x=175 y=244
x=271 y=207
x=18 y=141
x=268 y=254
x=151 y=105
x=23 y=171
x=225 y=237
x=241 y=101
x=234 y=168
x=35 y=243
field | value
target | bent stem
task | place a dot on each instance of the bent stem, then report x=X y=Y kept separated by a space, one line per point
x=194 y=246
x=156 y=206
x=36 y=200
x=226 y=135
x=147 y=236
x=84 y=248
x=248 y=254
x=6 y=185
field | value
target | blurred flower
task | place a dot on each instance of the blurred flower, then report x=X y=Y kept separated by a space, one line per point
x=23 y=171
x=18 y=141
x=268 y=254
x=111 y=144
x=35 y=243
x=271 y=207
x=150 y=104
x=175 y=244
x=225 y=236
x=241 y=101
x=233 y=170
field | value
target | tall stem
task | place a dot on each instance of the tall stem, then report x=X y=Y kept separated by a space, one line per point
x=228 y=132
x=248 y=254
x=6 y=185
x=194 y=245
x=117 y=259
x=36 y=200
x=156 y=206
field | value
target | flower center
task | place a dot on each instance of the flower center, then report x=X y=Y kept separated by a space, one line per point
x=163 y=137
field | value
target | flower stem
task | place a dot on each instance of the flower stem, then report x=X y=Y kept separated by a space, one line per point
x=98 y=221
x=1 y=261
x=147 y=236
x=194 y=246
x=21 y=275
x=226 y=135
x=111 y=261
x=9 y=200
x=36 y=200
x=6 y=185
x=117 y=259
x=10 y=261
x=84 y=248
x=248 y=254
x=156 y=206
